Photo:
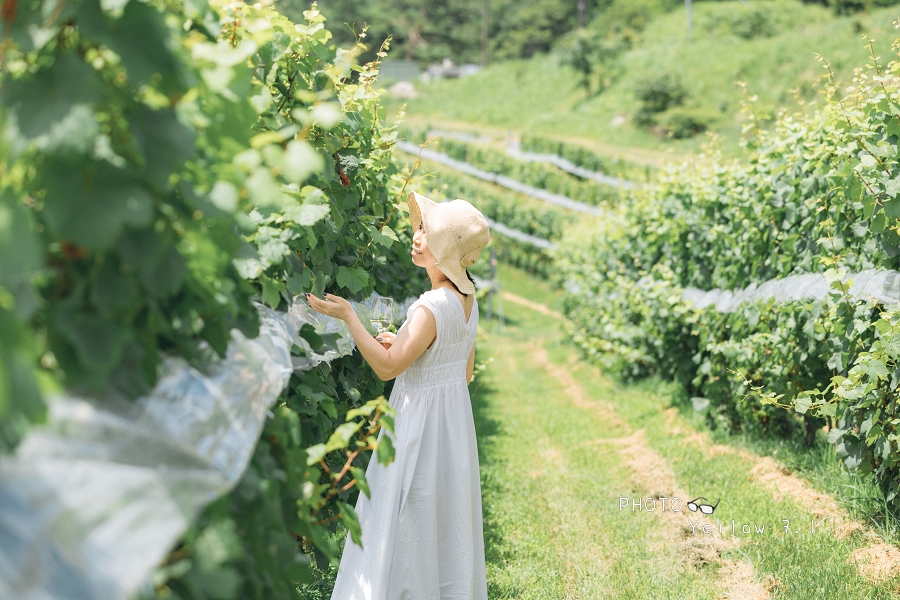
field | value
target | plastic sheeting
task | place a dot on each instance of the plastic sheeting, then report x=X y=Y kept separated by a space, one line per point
x=881 y=286
x=515 y=234
x=515 y=151
x=521 y=236
x=459 y=135
x=501 y=180
x=92 y=502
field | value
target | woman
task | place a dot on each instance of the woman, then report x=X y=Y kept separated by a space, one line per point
x=421 y=526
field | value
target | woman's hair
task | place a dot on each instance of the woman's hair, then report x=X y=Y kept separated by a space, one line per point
x=457 y=287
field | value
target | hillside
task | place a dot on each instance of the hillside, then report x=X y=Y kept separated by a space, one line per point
x=770 y=45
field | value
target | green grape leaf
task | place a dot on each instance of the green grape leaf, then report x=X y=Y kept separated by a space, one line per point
x=308 y=333
x=142 y=40
x=354 y=279
x=265 y=190
x=52 y=108
x=305 y=214
x=802 y=404
x=217 y=544
x=385 y=450
x=271 y=290
x=164 y=142
x=91 y=203
x=20 y=253
x=96 y=340
x=360 y=476
x=351 y=521
x=221 y=583
x=300 y=161
x=114 y=293
x=164 y=277
x=342 y=435
x=315 y=453
x=272 y=244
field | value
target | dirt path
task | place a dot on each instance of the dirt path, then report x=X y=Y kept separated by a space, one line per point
x=653 y=478
x=529 y=304
x=575 y=439
x=876 y=560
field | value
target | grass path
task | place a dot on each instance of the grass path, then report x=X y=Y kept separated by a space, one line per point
x=560 y=444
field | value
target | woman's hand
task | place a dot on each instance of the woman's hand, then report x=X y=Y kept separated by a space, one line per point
x=393 y=353
x=386 y=338
x=333 y=306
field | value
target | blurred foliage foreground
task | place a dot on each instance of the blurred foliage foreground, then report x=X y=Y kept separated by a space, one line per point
x=165 y=164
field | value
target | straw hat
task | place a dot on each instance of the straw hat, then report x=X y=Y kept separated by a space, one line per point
x=457 y=232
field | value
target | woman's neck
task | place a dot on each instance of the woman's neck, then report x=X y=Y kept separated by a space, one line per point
x=438 y=279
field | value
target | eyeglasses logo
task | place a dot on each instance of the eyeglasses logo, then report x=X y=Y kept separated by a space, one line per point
x=706 y=509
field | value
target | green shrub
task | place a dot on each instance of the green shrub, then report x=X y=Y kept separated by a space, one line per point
x=753 y=22
x=683 y=123
x=594 y=50
x=847 y=7
x=747 y=21
x=656 y=95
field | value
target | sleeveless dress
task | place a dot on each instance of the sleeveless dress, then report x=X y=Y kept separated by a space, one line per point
x=422 y=536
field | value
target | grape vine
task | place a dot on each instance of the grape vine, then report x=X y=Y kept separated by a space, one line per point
x=167 y=164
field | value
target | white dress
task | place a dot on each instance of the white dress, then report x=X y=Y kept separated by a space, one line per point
x=422 y=536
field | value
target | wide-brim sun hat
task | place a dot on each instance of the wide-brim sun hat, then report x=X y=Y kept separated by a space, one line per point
x=457 y=232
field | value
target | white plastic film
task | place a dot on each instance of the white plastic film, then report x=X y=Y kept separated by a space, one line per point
x=501 y=180
x=881 y=286
x=515 y=151
x=91 y=502
x=459 y=135
x=520 y=236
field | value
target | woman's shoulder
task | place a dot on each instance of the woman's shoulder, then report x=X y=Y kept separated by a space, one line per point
x=435 y=299
x=431 y=299
x=437 y=295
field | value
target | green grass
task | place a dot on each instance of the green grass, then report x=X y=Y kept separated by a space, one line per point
x=552 y=524
x=540 y=96
x=820 y=466
x=551 y=529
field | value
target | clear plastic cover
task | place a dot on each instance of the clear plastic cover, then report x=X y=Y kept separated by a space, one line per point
x=515 y=150
x=502 y=180
x=91 y=502
x=459 y=135
x=515 y=234
x=880 y=286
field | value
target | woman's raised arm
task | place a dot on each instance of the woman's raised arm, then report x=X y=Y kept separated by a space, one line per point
x=408 y=345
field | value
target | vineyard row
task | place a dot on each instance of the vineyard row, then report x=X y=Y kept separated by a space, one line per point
x=514 y=150
x=817 y=198
x=502 y=180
